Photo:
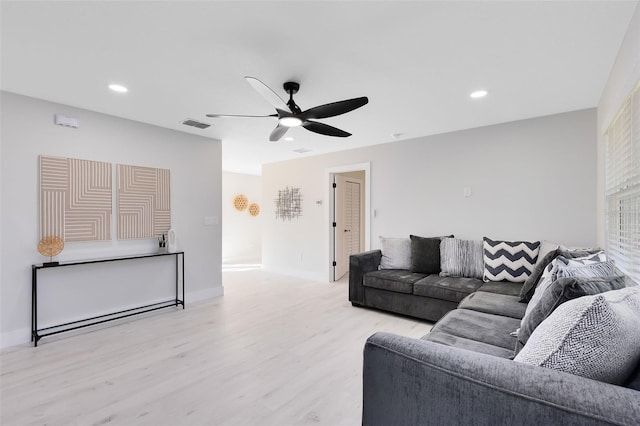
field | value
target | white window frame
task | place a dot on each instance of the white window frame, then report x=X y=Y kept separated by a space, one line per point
x=622 y=186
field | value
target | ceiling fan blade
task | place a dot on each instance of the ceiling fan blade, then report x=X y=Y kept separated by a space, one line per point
x=334 y=108
x=239 y=116
x=278 y=132
x=325 y=129
x=267 y=93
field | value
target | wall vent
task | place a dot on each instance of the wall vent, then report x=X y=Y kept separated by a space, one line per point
x=194 y=123
x=301 y=150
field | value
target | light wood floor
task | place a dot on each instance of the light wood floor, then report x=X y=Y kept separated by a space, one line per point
x=274 y=350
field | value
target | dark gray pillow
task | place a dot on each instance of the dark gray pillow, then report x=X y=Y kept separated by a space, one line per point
x=529 y=287
x=559 y=292
x=425 y=254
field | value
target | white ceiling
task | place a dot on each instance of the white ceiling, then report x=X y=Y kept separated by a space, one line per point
x=416 y=61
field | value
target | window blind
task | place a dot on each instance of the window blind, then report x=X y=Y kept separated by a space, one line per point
x=622 y=186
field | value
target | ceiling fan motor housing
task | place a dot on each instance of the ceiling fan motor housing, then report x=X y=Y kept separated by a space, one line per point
x=291 y=87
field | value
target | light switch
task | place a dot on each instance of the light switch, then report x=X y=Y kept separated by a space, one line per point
x=210 y=220
x=467 y=191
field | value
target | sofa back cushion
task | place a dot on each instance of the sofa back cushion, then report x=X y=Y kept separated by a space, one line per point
x=559 y=292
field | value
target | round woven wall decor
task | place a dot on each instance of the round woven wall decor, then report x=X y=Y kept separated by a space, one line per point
x=50 y=246
x=240 y=202
x=254 y=209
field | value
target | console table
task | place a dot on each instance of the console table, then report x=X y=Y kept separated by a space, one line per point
x=38 y=333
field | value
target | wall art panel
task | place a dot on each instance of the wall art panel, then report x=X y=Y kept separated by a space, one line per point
x=288 y=203
x=75 y=199
x=144 y=202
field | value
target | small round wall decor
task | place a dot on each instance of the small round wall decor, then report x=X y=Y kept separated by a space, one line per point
x=254 y=209
x=240 y=202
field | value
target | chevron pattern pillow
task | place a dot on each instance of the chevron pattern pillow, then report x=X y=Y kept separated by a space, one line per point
x=509 y=260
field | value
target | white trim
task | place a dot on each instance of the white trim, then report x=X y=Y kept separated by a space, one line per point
x=197 y=296
x=328 y=179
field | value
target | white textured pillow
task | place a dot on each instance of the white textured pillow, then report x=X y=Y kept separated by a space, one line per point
x=461 y=258
x=396 y=253
x=597 y=337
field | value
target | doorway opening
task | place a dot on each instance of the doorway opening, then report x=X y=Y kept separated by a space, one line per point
x=349 y=218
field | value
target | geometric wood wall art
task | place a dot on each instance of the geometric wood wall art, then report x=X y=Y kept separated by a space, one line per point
x=240 y=202
x=75 y=199
x=144 y=202
x=254 y=209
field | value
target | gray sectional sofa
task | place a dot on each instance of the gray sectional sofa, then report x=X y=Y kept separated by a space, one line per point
x=463 y=372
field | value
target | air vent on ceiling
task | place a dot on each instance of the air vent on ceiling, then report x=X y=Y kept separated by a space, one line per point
x=193 y=123
x=301 y=150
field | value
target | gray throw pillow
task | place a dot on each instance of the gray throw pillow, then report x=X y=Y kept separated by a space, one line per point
x=461 y=258
x=560 y=291
x=597 y=337
x=529 y=287
x=396 y=253
x=425 y=254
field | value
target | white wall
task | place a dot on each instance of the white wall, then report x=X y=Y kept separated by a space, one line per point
x=532 y=179
x=622 y=79
x=68 y=293
x=241 y=232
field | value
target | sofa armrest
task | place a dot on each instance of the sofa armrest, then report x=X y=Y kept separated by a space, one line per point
x=360 y=264
x=416 y=382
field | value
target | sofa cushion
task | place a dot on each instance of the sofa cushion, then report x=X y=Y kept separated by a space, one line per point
x=479 y=326
x=509 y=260
x=593 y=336
x=561 y=267
x=559 y=292
x=398 y=280
x=453 y=289
x=461 y=258
x=501 y=287
x=470 y=345
x=534 y=279
x=396 y=253
x=507 y=305
x=425 y=254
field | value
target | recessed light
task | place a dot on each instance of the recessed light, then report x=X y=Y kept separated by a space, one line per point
x=118 y=88
x=288 y=139
x=479 y=94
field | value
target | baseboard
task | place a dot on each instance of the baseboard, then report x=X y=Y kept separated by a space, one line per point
x=22 y=336
x=210 y=293
x=14 y=338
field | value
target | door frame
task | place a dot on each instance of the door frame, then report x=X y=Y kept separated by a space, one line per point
x=329 y=173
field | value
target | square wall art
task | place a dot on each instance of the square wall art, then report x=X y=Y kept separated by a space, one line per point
x=144 y=202
x=75 y=199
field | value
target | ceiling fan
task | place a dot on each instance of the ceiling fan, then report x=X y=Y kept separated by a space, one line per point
x=290 y=115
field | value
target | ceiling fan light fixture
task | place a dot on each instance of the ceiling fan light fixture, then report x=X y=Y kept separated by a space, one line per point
x=290 y=121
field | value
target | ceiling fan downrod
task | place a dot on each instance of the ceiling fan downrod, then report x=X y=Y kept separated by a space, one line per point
x=291 y=87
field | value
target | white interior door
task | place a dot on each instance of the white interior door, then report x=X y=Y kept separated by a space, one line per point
x=347 y=222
